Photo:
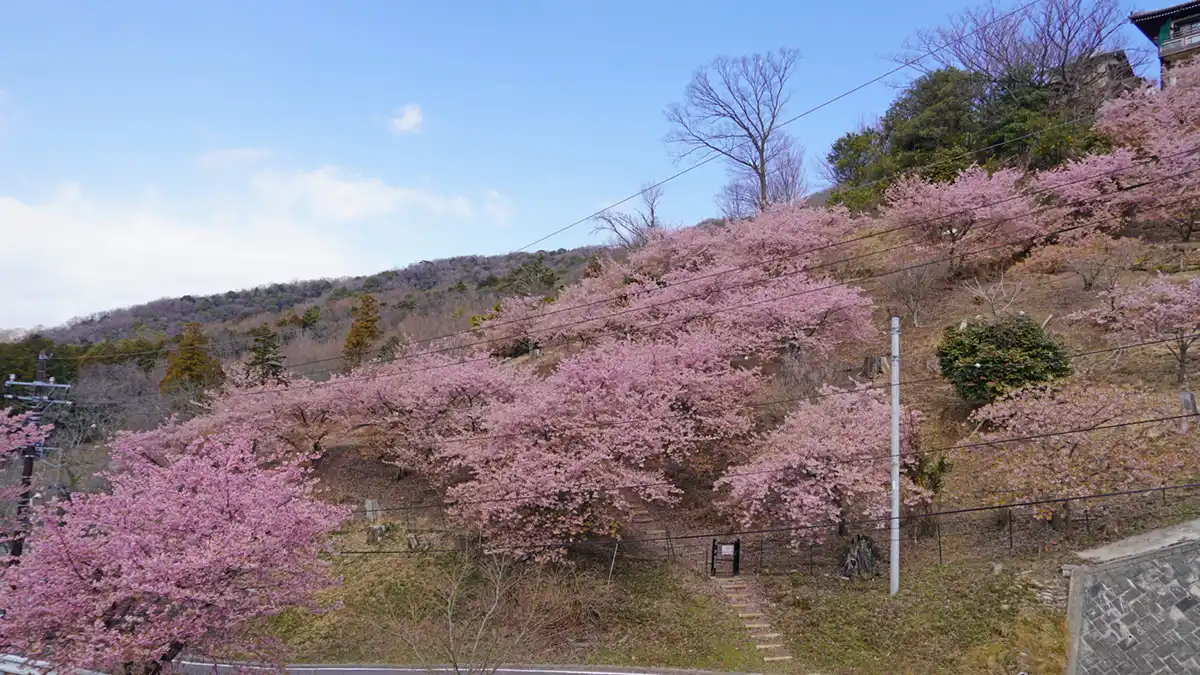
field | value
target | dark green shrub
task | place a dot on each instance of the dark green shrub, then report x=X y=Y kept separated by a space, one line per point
x=986 y=360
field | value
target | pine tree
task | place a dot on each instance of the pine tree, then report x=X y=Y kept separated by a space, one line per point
x=265 y=362
x=364 y=332
x=190 y=368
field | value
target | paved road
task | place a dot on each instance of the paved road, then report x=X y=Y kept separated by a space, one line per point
x=15 y=665
x=197 y=668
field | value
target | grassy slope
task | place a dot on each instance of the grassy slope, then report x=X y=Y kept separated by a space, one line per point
x=959 y=618
x=648 y=615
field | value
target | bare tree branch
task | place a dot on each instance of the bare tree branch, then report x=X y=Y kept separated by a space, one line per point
x=733 y=108
x=787 y=182
x=1053 y=42
x=631 y=230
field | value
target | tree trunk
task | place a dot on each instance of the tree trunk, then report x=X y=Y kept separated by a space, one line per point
x=1181 y=374
x=172 y=653
x=762 y=185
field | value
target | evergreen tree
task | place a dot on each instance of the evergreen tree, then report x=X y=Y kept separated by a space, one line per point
x=265 y=362
x=364 y=332
x=190 y=368
x=310 y=318
x=390 y=347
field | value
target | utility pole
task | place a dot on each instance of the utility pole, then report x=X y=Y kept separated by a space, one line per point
x=895 y=540
x=38 y=403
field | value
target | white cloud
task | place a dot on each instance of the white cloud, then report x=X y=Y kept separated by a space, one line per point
x=108 y=256
x=328 y=193
x=498 y=207
x=231 y=158
x=408 y=120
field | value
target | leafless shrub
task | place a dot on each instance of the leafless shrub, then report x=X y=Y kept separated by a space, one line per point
x=998 y=296
x=918 y=276
x=473 y=612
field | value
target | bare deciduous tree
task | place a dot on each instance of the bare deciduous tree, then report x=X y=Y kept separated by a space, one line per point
x=1048 y=42
x=733 y=108
x=998 y=296
x=631 y=230
x=918 y=274
x=786 y=181
x=473 y=613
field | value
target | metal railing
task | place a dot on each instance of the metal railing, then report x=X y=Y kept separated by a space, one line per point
x=1183 y=38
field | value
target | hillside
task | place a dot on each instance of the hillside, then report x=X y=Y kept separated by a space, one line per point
x=426 y=283
x=689 y=449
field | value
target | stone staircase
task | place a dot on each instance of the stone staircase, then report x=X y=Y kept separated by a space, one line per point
x=741 y=598
x=646 y=526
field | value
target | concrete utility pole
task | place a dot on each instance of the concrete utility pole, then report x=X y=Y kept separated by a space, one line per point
x=38 y=403
x=895 y=539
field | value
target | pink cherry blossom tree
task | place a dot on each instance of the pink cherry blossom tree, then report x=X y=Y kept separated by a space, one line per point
x=637 y=414
x=17 y=431
x=1096 y=258
x=756 y=285
x=975 y=212
x=1153 y=186
x=1150 y=180
x=1099 y=458
x=1158 y=310
x=184 y=551
x=415 y=413
x=827 y=464
x=1150 y=112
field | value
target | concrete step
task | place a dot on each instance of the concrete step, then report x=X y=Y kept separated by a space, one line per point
x=758 y=626
x=770 y=646
x=750 y=615
x=643 y=519
x=739 y=605
x=777 y=658
x=766 y=636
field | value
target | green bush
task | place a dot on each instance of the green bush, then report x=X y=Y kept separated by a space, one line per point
x=986 y=360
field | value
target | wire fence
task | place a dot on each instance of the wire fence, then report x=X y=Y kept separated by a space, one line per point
x=939 y=536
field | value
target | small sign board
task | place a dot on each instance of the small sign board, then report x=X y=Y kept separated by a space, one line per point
x=726 y=549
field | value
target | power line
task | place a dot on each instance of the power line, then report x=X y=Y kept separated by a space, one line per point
x=758 y=263
x=713 y=157
x=802 y=528
x=916 y=169
x=732 y=307
x=852 y=459
x=243 y=342
x=797 y=399
x=373 y=376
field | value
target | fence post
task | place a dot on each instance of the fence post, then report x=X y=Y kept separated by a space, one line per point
x=1010 y=529
x=811 y=565
x=762 y=544
x=938 y=524
x=613 y=564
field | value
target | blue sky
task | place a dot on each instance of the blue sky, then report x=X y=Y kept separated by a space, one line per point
x=151 y=149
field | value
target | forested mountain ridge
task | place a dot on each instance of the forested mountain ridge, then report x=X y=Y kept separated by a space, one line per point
x=423 y=278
